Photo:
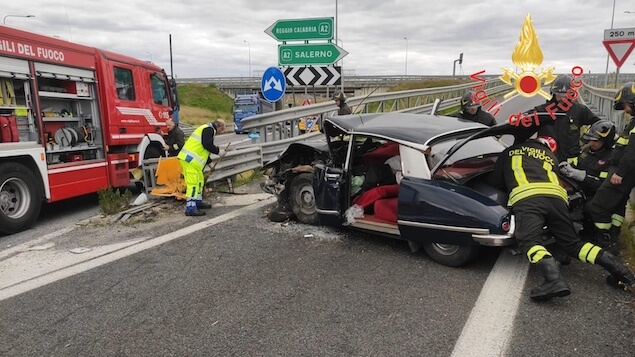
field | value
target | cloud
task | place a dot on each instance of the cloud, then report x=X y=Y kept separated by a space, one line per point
x=208 y=36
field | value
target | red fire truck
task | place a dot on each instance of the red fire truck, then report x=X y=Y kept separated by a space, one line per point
x=73 y=119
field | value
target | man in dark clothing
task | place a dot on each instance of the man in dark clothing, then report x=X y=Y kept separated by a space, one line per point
x=193 y=157
x=527 y=172
x=340 y=101
x=471 y=110
x=612 y=196
x=591 y=167
x=566 y=129
x=175 y=138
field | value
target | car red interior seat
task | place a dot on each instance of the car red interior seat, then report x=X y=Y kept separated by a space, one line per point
x=381 y=154
x=367 y=198
x=386 y=209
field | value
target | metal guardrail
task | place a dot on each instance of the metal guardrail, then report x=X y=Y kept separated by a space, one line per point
x=236 y=162
x=600 y=101
x=416 y=101
x=283 y=125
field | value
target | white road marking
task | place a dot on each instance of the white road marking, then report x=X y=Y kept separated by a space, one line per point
x=488 y=330
x=25 y=246
x=39 y=281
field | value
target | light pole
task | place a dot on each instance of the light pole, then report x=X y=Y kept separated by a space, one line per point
x=249 y=48
x=4 y=21
x=148 y=52
x=406 y=72
x=606 y=74
x=341 y=67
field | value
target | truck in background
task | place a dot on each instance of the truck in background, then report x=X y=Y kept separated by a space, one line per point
x=248 y=105
x=85 y=118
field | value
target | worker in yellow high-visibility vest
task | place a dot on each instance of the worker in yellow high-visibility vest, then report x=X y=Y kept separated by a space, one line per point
x=193 y=157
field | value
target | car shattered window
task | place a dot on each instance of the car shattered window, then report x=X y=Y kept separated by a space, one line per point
x=475 y=148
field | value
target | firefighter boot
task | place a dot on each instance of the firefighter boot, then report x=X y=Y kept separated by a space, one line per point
x=553 y=286
x=604 y=239
x=191 y=209
x=621 y=276
x=615 y=233
x=194 y=213
x=200 y=204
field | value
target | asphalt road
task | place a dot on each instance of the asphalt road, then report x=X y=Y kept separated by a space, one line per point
x=234 y=284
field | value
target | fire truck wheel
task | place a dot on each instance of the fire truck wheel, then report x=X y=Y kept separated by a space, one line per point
x=20 y=201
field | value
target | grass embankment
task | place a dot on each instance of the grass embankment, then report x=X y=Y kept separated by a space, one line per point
x=422 y=84
x=202 y=104
x=627 y=239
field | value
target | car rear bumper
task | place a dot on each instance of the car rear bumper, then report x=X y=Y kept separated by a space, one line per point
x=497 y=240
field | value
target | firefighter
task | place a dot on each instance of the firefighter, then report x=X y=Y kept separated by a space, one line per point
x=608 y=205
x=175 y=138
x=591 y=167
x=471 y=110
x=193 y=157
x=340 y=101
x=566 y=129
x=528 y=172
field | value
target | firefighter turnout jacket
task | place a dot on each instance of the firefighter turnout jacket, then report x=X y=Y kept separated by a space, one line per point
x=624 y=154
x=566 y=130
x=480 y=116
x=596 y=164
x=526 y=170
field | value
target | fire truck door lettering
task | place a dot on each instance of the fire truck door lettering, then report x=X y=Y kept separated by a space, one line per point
x=146 y=113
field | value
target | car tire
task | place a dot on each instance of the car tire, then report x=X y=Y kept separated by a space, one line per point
x=302 y=198
x=450 y=254
x=20 y=199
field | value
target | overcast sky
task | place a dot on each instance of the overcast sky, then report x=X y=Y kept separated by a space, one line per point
x=208 y=35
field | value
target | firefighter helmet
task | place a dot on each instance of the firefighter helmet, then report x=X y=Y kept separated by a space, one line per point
x=549 y=142
x=625 y=95
x=561 y=85
x=602 y=130
x=468 y=100
x=339 y=95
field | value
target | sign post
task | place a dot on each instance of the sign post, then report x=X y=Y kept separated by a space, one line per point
x=619 y=43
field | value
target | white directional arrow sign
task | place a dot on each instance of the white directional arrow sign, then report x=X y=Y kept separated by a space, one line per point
x=313 y=76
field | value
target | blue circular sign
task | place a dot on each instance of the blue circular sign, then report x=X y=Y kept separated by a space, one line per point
x=273 y=84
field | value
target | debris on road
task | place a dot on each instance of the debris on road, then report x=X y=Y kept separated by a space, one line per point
x=80 y=250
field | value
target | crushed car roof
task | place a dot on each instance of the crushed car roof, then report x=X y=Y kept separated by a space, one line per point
x=416 y=128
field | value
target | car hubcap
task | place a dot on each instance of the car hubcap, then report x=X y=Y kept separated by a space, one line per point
x=306 y=199
x=446 y=249
x=14 y=196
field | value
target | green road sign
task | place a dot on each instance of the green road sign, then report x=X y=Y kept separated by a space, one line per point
x=302 y=29
x=309 y=54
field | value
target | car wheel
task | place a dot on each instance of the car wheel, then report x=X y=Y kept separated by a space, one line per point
x=20 y=202
x=451 y=254
x=302 y=198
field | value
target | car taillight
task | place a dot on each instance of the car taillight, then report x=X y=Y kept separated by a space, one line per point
x=505 y=226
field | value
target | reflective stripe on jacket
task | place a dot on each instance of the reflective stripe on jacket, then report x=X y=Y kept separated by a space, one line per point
x=529 y=170
x=193 y=150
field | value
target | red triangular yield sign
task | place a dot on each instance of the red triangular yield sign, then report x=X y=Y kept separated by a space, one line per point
x=619 y=50
x=306 y=101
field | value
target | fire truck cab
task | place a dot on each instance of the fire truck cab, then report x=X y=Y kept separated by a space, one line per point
x=73 y=120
